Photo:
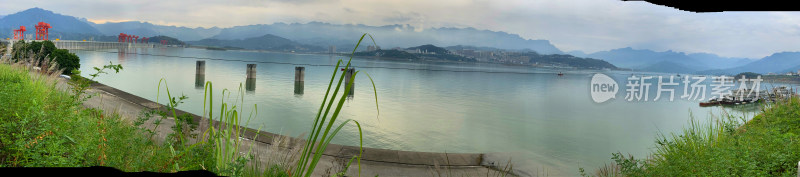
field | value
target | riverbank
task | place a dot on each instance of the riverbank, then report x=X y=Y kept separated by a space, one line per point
x=766 y=145
x=43 y=125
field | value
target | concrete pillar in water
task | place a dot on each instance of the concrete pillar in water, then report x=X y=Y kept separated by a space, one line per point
x=251 y=71
x=250 y=83
x=200 y=74
x=347 y=80
x=299 y=77
x=299 y=73
x=298 y=88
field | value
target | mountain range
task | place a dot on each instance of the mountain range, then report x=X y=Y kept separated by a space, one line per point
x=317 y=36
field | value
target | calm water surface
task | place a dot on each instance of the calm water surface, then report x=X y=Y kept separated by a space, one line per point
x=543 y=120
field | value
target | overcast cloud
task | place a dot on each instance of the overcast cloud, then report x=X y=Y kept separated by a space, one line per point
x=586 y=25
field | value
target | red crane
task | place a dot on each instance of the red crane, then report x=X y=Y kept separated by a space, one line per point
x=42 y=30
x=122 y=37
x=144 y=40
x=163 y=42
x=137 y=39
x=19 y=33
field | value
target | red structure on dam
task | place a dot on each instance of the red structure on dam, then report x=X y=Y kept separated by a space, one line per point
x=19 y=34
x=42 y=30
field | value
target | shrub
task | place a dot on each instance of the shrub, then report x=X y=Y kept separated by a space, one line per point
x=66 y=61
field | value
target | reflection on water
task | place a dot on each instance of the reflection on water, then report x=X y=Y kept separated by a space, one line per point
x=250 y=85
x=298 y=88
x=199 y=80
x=547 y=121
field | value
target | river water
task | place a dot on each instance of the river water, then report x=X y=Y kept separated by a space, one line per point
x=548 y=123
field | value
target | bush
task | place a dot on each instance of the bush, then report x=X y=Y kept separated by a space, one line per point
x=766 y=145
x=66 y=61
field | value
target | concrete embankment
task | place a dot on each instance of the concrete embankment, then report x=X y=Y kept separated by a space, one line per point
x=269 y=147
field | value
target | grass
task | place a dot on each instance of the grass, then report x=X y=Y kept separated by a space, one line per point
x=42 y=126
x=766 y=145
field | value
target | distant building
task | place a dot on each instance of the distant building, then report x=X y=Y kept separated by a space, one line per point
x=468 y=52
x=332 y=49
x=370 y=48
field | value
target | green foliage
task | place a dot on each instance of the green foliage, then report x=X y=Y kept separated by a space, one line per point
x=46 y=51
x=170 y=40
x=79 y=84
x=307 y=163
x=567 y=60
x=766 y=145
x=429 y=48
x=41 y=126
x=66 y=61
x=748 y=75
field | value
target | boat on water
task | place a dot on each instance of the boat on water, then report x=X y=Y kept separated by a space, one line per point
x=560 y=74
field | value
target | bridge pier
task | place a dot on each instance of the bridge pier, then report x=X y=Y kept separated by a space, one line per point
x=251 y=78
x=200 y=74
x=347 y=80
x=299 y=76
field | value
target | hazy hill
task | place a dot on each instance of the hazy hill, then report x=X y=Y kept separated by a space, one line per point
x=148 y=29
x=577 y=53
x=428 y=48
x=169 y=40
x=778 y=63
x=61 y=24
x=469 y=47
x=390 y=36
x=667 y=61
x=265 y=42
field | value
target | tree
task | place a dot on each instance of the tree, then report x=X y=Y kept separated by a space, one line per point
x=66 y=61
x=45 y=48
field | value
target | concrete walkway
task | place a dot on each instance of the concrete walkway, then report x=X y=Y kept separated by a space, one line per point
x=273 y=148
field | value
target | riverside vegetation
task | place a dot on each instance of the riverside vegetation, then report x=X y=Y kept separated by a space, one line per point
x=44 y=126
x=766 y=145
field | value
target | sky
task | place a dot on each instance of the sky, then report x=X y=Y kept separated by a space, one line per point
x=585 y=25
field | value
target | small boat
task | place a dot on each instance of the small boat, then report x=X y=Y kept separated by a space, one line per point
x=560 y=74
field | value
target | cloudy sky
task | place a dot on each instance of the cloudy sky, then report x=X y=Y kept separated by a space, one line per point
x=586 y=25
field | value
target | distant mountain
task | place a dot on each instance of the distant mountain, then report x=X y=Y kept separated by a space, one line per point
x=317 y=36
x=169 y=40
x=265 y=42
x=667 y=61
x=428 y=48
x=469 y=47
x=716 y=62
x=577 y=53
x=390 y=36
x=671 y=67
x=775 y=63
x=61 y=24
x=148 y=29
